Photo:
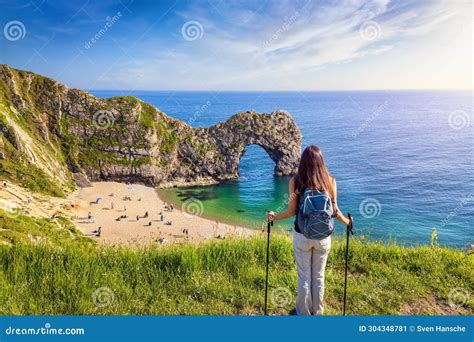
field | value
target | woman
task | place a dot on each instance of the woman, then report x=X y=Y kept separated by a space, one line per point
x=310 y=254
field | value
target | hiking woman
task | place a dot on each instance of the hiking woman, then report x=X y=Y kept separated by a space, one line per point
x=311 y=253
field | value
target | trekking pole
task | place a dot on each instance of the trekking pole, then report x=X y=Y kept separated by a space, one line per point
x=269 y=224
x=348 y=232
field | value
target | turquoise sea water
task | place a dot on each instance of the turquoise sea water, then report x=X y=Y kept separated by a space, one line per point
x=404 y=160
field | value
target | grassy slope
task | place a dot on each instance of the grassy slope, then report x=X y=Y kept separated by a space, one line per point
x=63 y=152
x=60 y=277
x=16 y=166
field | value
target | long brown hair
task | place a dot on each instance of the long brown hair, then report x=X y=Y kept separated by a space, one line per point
x=312 y=173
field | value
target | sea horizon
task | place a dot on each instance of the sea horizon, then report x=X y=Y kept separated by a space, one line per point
x=275 y=91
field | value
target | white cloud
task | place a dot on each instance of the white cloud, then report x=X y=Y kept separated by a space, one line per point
x=245 y=48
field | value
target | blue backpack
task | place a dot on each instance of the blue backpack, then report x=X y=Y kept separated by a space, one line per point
x=316 y=215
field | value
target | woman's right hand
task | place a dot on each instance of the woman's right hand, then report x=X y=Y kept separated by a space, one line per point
x=270 y=216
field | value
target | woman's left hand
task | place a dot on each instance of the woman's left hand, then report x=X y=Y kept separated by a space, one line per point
x=348 y=220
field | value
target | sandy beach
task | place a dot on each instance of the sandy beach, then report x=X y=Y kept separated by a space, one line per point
x=131 y=214
x=116 y=212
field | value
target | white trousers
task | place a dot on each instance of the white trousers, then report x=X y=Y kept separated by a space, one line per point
x=311 y=256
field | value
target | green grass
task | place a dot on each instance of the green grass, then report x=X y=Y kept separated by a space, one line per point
x=17 y=169
x=169 y=139
x=147 y=116
x=18 y=229
x=61 y=274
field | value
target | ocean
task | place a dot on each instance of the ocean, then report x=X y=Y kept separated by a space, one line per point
x=403 y=160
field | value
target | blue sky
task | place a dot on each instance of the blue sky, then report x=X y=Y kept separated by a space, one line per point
x=245 y=45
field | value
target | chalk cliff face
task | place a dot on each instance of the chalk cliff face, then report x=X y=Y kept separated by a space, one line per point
x=63 y=134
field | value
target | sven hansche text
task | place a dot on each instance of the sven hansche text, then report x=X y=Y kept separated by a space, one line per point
x=440 y=328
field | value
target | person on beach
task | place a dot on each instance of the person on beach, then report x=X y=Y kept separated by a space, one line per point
x=310 y=254
x=97 y=232
x=89 y=216
x=162 y=217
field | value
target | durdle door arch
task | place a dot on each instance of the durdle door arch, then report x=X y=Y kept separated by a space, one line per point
x=276 y=133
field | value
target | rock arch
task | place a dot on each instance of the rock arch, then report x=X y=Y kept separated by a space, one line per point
x=216 y=151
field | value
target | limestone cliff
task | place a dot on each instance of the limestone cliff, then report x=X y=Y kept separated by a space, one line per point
x=60 y=134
